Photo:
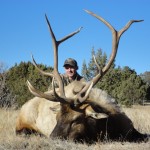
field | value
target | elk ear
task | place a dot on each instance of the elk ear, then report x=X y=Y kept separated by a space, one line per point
x=97 y=115
x=89 y=111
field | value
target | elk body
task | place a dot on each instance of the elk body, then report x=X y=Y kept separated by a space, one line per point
x=87 y=122
x=78 y=111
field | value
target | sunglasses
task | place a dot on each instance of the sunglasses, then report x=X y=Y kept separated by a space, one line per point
x=69 y=67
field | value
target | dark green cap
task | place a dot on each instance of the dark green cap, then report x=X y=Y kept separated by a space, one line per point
x=70 y=61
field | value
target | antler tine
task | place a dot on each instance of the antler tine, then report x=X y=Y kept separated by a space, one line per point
x=88 y=86
x=98 y=67
x=70 y=35
x=36 y=92
x=85 y=90
x=41 y=71
x=127 y=26
x=50 y=96
x=56 y=43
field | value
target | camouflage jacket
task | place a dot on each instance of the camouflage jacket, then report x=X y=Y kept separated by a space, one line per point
x=67 y=81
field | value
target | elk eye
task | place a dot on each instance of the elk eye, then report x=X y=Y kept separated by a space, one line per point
x=78 y=120
x=73 y=124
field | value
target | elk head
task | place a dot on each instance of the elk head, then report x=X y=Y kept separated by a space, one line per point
x=82 y=98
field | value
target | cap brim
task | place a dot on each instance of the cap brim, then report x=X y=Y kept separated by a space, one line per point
x=68 y=65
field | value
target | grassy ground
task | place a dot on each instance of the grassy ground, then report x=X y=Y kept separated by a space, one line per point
x=9 y=141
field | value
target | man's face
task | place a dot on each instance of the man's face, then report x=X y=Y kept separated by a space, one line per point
x=70 y=70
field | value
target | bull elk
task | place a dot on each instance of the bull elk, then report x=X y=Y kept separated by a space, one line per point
x=78 y=111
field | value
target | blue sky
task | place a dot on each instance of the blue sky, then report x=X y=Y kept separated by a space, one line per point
x=23 y=30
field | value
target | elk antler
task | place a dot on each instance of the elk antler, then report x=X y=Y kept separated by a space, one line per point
x=55 y=73
x=83 y=94
x=115 y=42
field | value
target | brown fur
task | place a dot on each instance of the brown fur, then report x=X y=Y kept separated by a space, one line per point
x=74 y=124
x=98 y=118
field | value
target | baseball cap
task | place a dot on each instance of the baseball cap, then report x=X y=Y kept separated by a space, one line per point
x=70 y=61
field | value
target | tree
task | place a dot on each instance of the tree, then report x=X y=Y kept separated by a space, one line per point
x=85 y=71
x=131 y=91
x=121 y=83
x=19 y=74
x=146 y=77
x=90 y=71
x=6 y=98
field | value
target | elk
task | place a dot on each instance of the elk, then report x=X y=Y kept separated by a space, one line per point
x=79 y=111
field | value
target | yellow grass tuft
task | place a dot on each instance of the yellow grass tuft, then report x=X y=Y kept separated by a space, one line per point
x=140 y=115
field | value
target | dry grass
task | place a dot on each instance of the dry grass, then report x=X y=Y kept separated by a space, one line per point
x=9 y=141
